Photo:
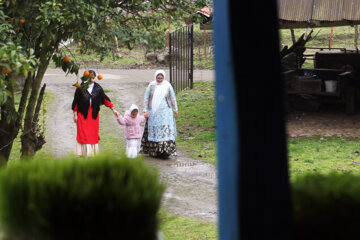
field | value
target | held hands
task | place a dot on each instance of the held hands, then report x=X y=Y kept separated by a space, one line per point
x=116 y=113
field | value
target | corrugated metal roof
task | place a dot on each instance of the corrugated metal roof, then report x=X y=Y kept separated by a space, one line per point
x=327 y=10
x=295 y=10
x=351 y=10
x=319 y=10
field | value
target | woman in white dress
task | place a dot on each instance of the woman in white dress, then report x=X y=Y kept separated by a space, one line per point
x=161 y=109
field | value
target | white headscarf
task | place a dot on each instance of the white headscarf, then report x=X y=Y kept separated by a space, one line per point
x=133 y=107
x=160 y=91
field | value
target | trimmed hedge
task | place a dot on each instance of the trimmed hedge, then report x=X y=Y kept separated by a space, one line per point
x=105 y=197
x=327 y=206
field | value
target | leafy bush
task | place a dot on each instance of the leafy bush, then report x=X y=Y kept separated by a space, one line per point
x=327 y=206
x=106 y=197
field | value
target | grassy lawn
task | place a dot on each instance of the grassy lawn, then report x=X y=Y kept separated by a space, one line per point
x=180 y=228
x=196 y=121
x=323 y=155
x=306 y=154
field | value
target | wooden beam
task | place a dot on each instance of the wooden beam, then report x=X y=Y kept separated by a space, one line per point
x=315 y=24
x=206 y=26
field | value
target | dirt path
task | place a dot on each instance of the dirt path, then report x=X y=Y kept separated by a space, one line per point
x=191 y=184
x=326 y=122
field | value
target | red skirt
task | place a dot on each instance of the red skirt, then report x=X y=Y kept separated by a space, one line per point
x=87 y=129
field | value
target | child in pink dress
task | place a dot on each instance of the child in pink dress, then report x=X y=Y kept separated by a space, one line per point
x=133 y=130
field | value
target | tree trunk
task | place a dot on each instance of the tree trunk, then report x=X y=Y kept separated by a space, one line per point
x=7 y=126
x=293 y=36
x=39 y=137
x=116 y=53
x=10 y=129
x=6 y=142
x=6 y=139
x=28 y=139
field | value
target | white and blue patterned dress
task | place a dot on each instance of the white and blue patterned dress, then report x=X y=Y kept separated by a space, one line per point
x=161 y=126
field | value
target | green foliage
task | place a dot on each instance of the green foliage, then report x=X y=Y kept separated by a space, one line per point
x=67 y=67
x=326 y=206
x=13 y=59
x=195 y=124
x=106 y=197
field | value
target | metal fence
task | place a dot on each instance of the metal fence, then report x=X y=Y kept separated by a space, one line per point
x=181 y=49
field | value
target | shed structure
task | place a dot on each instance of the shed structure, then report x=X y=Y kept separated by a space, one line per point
x=317 y=13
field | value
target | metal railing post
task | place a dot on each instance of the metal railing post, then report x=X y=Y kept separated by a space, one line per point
x=192 y=58
x=170 y=60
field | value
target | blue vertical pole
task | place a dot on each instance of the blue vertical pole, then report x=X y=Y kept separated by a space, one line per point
x=227 y=125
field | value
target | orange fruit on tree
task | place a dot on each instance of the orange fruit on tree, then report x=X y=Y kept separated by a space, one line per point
x=86 y=73
x=100 y=77
x=3 y=69
x=22 y=20
x=8 y=71
x=66 y=59
x=77 y=85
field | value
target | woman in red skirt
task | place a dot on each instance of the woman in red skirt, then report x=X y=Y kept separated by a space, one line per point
x=86 y=107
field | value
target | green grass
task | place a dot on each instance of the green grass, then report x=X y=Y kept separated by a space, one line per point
x=204 y=63
x=196 y=130
x=196 y=121
x=323 y=155
x=180 y=228
x=130 y=58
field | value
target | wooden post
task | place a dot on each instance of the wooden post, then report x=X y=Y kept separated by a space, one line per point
x=293 y=36
x=205 y=43
x=356 y=37
x=331 y=37
x=254 y=190
x=199 y=53
x=167 y=35
x=227 y=131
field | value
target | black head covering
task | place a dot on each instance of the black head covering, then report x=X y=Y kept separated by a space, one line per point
x=82 y=100
x=93 y=72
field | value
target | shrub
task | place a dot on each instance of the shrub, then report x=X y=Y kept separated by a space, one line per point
x=106 y=197
x=327 y=206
